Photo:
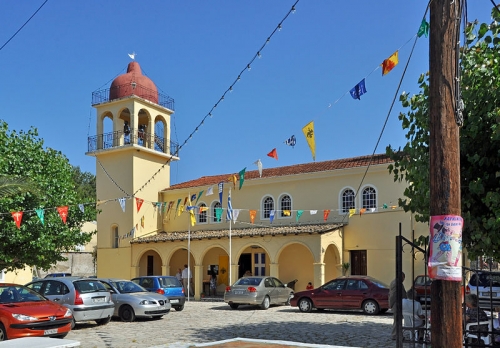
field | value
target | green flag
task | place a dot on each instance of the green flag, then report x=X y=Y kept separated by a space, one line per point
x=40 y=213
x=218 y=213
x=199 y=195
x=424 y=29
x=299 y=214
x=242 y=176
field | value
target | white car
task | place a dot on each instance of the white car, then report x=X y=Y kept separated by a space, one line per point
x=486 y=285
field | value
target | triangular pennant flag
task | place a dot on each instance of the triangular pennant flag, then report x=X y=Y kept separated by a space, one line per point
x=202 y=209
x=291 y=141
x=142 y=221
x=210 y=191
x=358 y=90
x=198 y=198
x=258 y=163
x=170 y=204
x=221 y=189
x=18 y=217
x=191 y=214
x=394 y=206
x=390 y=63
x=178 y=202
x=313 y=212
x=384 y=206
x=132 y=233
x=193 y=197
x=82 y=208
x=242 y=176
x=181 y=209
x=286 y=212
x=361 y=211
x=185 y=200
x=253 y=213
x=236 y=212
x=218 y=213
x=122 y=203
x=271 y=216
x=372 y=209
x=352 y=212
x=41 y=215
x=138 y=202
x=233 y=179
x=165 y=204
x=273 y=154
x=424 y=29
x=326 y=212
x=308 y=131
x=63 y=212
x=299 y=214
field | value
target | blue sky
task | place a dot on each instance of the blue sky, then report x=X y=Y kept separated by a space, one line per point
x=194 y=50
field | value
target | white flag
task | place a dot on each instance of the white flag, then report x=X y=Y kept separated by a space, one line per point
x=236 y=212
x=259 y=165
x=122 y=203
x=313 y=212
x=82 y=208
x=210 y=191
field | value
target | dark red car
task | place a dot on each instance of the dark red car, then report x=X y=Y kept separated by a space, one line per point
x=422 y=286
x=352 y=292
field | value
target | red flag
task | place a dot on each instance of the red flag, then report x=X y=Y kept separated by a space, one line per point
x=63 y=212
x=17 y=216
x=325 y=214
x=138 y=202
x=273 y=154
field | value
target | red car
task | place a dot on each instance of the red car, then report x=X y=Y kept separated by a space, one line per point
x=352 y=292
x=422 y=286
x=23 y=312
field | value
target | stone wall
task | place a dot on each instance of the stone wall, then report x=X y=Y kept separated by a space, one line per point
x=78 y=264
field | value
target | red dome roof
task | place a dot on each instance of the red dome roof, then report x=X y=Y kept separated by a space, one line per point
x=133 y=83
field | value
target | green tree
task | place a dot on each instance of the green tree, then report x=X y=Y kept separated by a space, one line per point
x=34 y=243
x=10 y=185
x=479 y=143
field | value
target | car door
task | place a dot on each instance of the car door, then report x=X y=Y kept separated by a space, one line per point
x=330 y=294
x=281 y=291
x=56 y=291
x=270 y=289
x=355 y=292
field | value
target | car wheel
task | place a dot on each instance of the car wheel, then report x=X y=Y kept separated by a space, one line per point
x=305 y=305
x=127 y=314
x=234 y=305
x=266 y=303
x=3 y=333
x=370 y=307
x=103 y=321
x=179 y=308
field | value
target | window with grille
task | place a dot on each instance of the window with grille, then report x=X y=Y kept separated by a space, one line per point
x=347 y=200
x=202 y=215
x=267 y=207
x=369 y=198
x=214 y=212
x=285 y=205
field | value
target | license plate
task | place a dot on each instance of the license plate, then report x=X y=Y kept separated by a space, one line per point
x=174 y=301
x=98 y=299
x=493 y=294
x=50 y=332
x=161 y=308
x=238 y=292
x=428 y=299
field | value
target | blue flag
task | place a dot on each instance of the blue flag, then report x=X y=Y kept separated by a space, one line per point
x=358 y=90
x=229 y=215
x=221 y=187
x=291 y=141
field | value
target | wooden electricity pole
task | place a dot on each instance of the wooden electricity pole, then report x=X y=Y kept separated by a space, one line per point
x=446 y=304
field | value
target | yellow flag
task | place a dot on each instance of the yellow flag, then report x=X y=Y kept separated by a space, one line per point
x=352 y=212
x=193 y=218
x=361 y=211
x=286 y=212
x=308 y=131
x=181 y=209
x=389 y=63
x=142 y=222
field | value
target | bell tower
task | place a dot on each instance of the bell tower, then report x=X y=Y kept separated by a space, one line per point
x=133 y=152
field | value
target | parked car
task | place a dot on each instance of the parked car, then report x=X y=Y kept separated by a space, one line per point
x=347 y=292
x=486 y=285
x=262 y=291
x=24 y=312
x=55 y=275
x=168 y=286
x=132 y=300
x=87 y=298
x=422 y=286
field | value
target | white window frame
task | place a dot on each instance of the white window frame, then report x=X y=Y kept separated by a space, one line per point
x=362 y=197
x=341 y=200
x=262 y=208
x=204 y=213
x=280 y=214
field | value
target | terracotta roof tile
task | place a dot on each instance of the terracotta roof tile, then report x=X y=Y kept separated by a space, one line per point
x=312 y=167
x=242 y=232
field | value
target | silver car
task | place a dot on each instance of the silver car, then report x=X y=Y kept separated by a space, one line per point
x=132 y=300
x=262 y=291
x=87 y=298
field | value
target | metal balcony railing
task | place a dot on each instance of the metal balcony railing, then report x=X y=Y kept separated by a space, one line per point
x=103 y=95
x=134 y=136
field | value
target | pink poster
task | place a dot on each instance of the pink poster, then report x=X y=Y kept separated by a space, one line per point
x=445 y=247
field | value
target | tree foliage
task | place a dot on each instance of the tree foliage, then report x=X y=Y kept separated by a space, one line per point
x=479 y=143
x=34 y=243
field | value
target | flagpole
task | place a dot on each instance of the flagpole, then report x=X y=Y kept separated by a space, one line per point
x=189 y=253
x=230 y=268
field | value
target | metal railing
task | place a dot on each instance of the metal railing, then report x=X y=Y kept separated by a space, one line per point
x=103 y=95
x=134 y=136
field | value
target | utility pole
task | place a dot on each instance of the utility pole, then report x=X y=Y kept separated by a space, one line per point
x=446 y=304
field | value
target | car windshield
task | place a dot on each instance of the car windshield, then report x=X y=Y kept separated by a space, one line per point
x=248 y=281
x=86 y=286
x=379 y=283
x=169 y=282
x=18 y=293
x=485 y=279
x=422 y=281
x=127 y=287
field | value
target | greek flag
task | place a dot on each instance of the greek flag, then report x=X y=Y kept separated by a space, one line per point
x=291 y=141
x=229 y=215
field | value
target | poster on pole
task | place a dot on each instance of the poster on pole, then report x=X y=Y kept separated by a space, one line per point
x=445 y=247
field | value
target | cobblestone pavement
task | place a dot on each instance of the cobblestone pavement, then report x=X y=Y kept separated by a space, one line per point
x=203 y=322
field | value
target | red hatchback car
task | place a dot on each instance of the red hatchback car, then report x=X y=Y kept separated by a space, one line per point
x=23 y=313
x=352 y=292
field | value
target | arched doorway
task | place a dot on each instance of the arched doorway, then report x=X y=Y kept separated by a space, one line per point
x=296 y=262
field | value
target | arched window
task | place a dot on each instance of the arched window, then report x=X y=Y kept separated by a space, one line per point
x=267 y=206
x=347 y=200
x=214 y=212
x=369 y=198
x=116 y=238
x=202 y=213
x=285 y=205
